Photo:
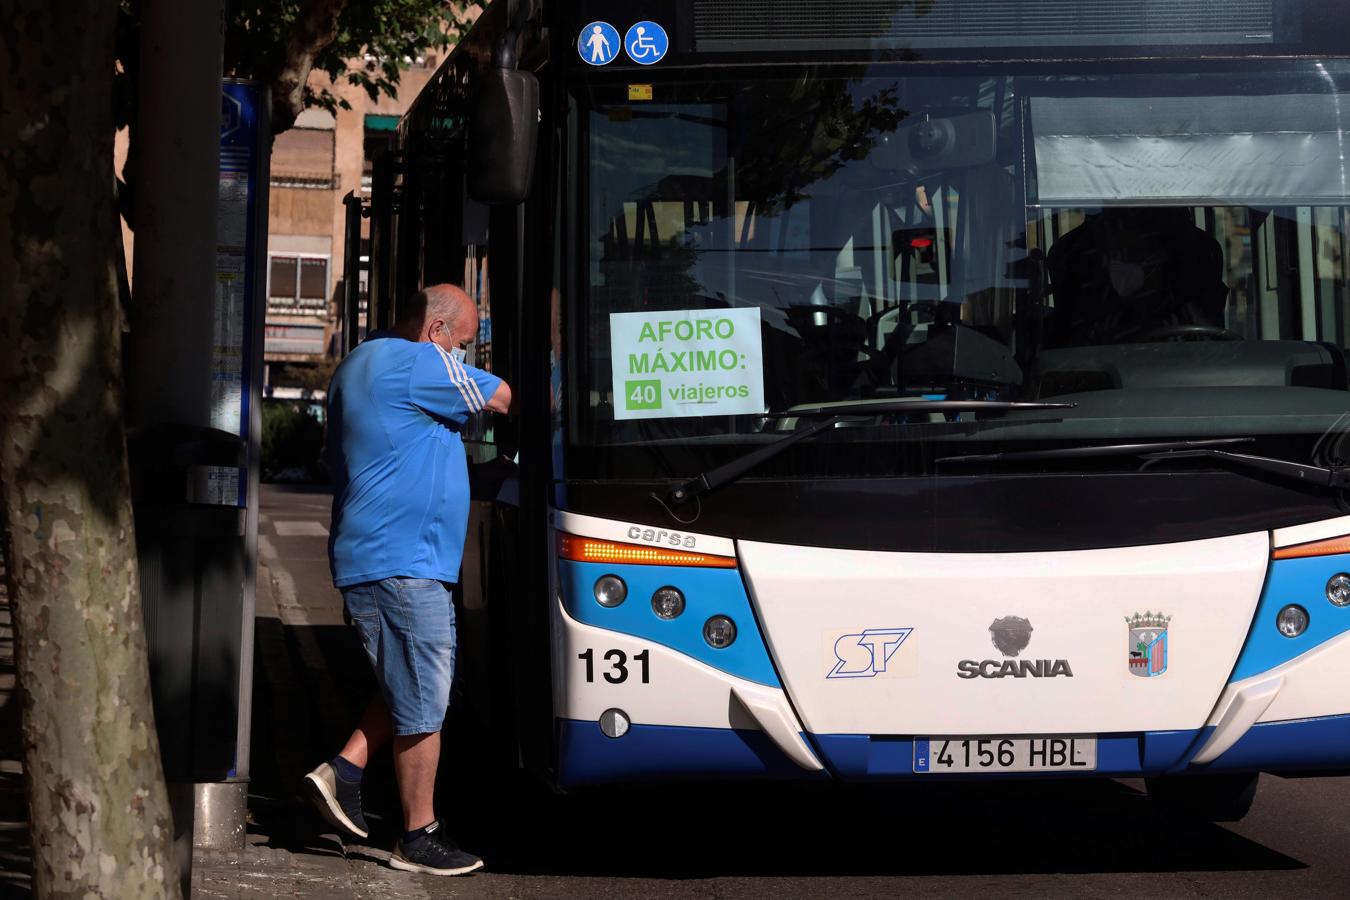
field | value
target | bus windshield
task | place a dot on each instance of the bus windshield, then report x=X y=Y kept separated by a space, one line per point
x=1163 y=246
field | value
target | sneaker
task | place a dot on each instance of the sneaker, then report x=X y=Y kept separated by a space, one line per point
x=338 y=801
x=432 y=854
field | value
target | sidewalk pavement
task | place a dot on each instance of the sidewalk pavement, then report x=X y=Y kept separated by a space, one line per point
x=311 y=682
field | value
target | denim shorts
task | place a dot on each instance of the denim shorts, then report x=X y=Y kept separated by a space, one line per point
x=408 y=628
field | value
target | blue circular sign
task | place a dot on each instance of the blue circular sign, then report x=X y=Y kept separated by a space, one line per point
x=646 y=43
x=598 y=43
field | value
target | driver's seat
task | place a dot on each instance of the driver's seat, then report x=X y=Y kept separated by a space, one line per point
x=1126 y=273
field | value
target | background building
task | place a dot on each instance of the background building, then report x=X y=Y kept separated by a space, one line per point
x=314 y=166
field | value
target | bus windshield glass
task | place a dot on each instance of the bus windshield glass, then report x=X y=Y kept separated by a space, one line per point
x=1163 y=246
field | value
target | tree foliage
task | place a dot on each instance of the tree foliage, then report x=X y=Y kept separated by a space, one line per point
x=387 y=34
x=278 y=42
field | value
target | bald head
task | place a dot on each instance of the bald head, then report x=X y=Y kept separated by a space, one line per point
x=442 y=314
x=443 y=302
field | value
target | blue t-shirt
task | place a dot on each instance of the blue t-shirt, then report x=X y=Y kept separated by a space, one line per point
x=401 y=485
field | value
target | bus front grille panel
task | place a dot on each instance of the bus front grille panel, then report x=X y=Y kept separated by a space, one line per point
x=900 y=24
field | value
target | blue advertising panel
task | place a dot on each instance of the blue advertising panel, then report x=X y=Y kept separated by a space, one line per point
x=238 y=231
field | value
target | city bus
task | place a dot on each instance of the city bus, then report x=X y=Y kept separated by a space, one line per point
x=913 y=390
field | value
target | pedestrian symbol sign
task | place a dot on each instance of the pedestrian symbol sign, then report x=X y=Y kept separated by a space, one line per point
x=646 y=43
x=598 y=43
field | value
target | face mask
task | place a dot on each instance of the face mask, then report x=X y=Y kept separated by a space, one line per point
x=458 y=354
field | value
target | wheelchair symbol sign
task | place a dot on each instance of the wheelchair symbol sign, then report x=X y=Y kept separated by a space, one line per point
x=646 y=43
x=598 y=43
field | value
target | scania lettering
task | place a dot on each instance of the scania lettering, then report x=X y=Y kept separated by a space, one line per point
x=898 y=381
x=1014 y=668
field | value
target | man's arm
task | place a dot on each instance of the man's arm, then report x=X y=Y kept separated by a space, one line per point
x=447 y=389
x=502 y=400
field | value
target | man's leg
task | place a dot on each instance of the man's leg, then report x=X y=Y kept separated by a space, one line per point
x=334 y=787
x=426 y=636
x=372 y=733
x=423 y=848
x=415 y=759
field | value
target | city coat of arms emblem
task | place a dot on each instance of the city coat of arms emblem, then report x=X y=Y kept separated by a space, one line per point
x=1148 y=643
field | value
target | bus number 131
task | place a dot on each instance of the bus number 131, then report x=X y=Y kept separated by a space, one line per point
x=618 y=665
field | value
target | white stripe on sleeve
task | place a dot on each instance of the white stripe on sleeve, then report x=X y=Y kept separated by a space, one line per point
x=458 y=377
x=469 y=380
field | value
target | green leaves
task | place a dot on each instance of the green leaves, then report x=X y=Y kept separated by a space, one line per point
x=386 y=34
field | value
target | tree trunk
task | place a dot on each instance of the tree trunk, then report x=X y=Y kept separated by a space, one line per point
x=98 y=809
x=315 y=27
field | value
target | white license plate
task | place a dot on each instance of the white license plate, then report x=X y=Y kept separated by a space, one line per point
x=1057 y=753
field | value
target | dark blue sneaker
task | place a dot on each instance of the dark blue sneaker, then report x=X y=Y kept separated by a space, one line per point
x=432 y=854
x=338 y=801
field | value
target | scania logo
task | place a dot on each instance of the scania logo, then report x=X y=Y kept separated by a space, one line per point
x=1010 y=636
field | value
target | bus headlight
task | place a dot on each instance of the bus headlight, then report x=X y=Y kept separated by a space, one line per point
x=1292 y=621
x=719 y=632
x=668 y=603
x=1338 y=589
x=610 y=590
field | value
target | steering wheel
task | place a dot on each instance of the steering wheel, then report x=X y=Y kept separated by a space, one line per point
x=1190 y=333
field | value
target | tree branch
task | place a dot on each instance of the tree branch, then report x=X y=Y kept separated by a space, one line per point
x=315 y=27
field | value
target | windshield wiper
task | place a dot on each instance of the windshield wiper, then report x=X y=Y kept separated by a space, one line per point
x=901 y=404
x=1334 y=478
x=728 y=472
x=1161 y=451
x=1093 y=450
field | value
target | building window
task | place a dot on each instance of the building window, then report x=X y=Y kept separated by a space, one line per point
x=282 y=283
x=298 y=283
x=314 y=281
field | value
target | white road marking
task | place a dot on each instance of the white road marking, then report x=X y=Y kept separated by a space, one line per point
x=287 y=528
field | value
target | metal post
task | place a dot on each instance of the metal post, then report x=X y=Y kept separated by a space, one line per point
x=177 y=156
x=380 y=306
x=230 y=826
x=351 y=274
x=168 y=350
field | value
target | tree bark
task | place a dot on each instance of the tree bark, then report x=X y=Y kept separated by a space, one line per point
x=99 y=814
x=315 y=27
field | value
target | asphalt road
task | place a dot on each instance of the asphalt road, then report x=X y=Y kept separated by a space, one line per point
x=1070 y=838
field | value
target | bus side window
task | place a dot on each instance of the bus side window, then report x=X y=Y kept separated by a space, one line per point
x=479 y=435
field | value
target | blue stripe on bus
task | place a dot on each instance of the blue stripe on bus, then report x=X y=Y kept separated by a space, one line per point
x=1300 y=581
x=707 y=592
x=657 y=753
x=1292 y=745
x=668 y=752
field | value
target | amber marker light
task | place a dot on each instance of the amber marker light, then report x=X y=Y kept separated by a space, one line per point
x=584 y=549
x=1328 y=547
